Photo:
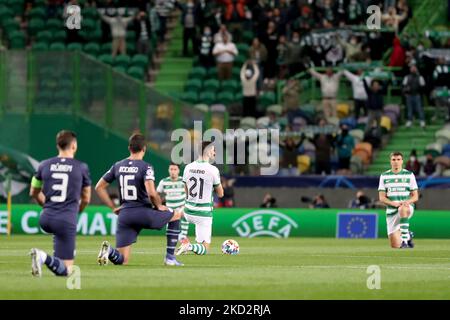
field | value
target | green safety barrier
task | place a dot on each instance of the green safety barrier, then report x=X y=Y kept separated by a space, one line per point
x=239 y=222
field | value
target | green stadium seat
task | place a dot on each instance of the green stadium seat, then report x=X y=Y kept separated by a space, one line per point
x=196 y=61
x=35 y=25
x=91 y=35
x=59 y=36
x=10 y=25
x=230 y=85
x=57 y=46
x=75 y=46
x=211 y=85
x=131 y=36
x=247 y=36
x=5 y=14
x=267 y=99
x=240 y=59
x=207 y=97
x=193 y=85
x=190 y=96
x=197 y=73
x=120 y=69
x=92 y=48
x=225 y=97
x=236 y=73
x=131 y=48
x=44 y=36
x=40 y=46
x=238 y=97
x=106 y=58
x=122 y=60
x=89 y=13
x=17 y=40
x=136 y=72
x=88 y=24
x=37 y=13
x=212 y=73
x=140 y=60
x=243 y=49
x=54 y=25
x=17 y=6
x=41 y=3
x=107 y=48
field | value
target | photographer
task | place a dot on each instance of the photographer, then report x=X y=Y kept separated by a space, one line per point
x=361 y=201
x=268 y=201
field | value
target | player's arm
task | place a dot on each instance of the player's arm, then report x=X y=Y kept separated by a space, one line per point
x=153 y=195
x=85 y=198
x=219 y=190
x=386 y=201
x=414 y=198
x=101 y=189
x=36 y=191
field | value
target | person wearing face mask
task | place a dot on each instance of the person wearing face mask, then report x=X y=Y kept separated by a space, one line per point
x=249 y=78
x=188 y=20
x=413 y=84
x=413 y=164
x=344 y=145
x=143 y=31
x=205 y=56
x=352 y=48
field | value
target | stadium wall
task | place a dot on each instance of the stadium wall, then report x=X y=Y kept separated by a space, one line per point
x=253 y=222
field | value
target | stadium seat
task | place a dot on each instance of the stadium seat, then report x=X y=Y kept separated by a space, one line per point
x=136 y=72
x=190 y=96
x=207 y=97
x=211 y=85
x=350 y=122
x=243 y=49
x=92 y=48
x=303 y=163
x=262 y=122
x=225 y=97
x=230 y=85
x=57 y=46
x=394 y=108
x=435 y=149
x=131 y=36
x=88 y=24
x=202 y=107
x=247 y=36
x=89 y=13
x=343 y=110
x=131 y=48
x=358 y=135
x=37 y=13
x=17 y=40
x=35 y=25
x=107 y=48
x=5 y=13
x=59 y=36
x=53 y=25
x=44 y=36
x=236 y=73
x=120 y=69
x=193 y=85
x=333 y=121
x=197 y=73
x=212 y=73
x=267 y=98
x=217 y=123
x=238 y=97
x=91 y=35
x=74 y=46
x=385 y=124
x=40 y=46
x=10 y=25
x=123 y=60
x=309 y=149
x=106 y=58
x=140 y=60
x=239 y=60
x=392 y=117
x=356 y=166
x=446 y=150
x=247 y=123
x=443 y=136
x=364 y=151
x=275 y=108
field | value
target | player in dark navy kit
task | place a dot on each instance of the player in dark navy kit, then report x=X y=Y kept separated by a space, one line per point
x=140 y=206
x=62 y=186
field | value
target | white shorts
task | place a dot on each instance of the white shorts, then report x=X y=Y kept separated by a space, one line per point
x=203 y=227
x=393 y=221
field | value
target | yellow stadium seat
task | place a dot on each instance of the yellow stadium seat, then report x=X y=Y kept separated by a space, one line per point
x=154 y=145
x=343 y=110
x=386 y=123
x=303 y=163
x=217 y=123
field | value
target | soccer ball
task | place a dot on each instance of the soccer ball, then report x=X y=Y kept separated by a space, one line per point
x=230 y=246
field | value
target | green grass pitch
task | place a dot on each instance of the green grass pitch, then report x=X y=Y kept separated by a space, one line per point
x=266 y=268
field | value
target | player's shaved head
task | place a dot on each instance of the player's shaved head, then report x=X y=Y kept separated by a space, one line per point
x=65 y=138
x=137 y=143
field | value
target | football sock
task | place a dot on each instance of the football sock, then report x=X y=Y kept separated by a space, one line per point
x=56 y=265
x=115 y=256
x=197 y=248
x=173 y=230
x=184 y=228
x=404 y=228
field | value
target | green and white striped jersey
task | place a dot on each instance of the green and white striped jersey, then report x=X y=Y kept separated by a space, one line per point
x=173 y=192
x=398 y=187
x=200 y=177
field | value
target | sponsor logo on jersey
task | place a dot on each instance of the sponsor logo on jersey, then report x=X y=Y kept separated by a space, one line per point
x=264 y=223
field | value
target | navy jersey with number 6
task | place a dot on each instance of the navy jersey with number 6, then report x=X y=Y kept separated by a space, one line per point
x=131 y=176
x=62 y=182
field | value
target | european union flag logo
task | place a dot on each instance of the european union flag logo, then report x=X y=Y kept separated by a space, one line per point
x=357 y=225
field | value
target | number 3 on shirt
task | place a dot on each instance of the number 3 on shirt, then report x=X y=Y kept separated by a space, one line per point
x=64 y=177
x=126 y=189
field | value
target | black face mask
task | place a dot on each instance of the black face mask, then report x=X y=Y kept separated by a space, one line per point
x=344 y=132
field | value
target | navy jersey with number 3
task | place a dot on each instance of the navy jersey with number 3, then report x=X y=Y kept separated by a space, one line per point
x=63 y=180
x=131 y=176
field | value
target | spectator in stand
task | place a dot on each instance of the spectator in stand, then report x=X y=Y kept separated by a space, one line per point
x=291 y=95
x=324 y=146
x=189 y=22
x=375 y=102
x=398 y=55
x=205 y=57
x=441 y=80
x=305 y=22
x=413 y=84
x=282 y=49
x=329 y=86
x=164 y=8
x=354 y=12
x=225 y=52
x=413 y=164
x=258 y=53
x=361 y=201
x=294 y=55
x=372 y=134
x=392 y=19
x=143 y=33
x=359 y=92
x=234 y=15
x=403 y=10
x=344 y=144
x=352 y=48
x=288 y=163
x=268 y=201
x=118 y=26
x=227 y=201
x=270 y=40
x=319 y=202
x=429 y=167
x=249 y=78
x=219 y=36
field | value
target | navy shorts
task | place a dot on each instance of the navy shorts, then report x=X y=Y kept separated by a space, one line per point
x=132 y=220
x=64 y=234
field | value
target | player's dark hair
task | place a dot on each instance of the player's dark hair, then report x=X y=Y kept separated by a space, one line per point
x=396 y=153
x=64 y=139
x=204 y=146
x=174 y=164
x=136 y=143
